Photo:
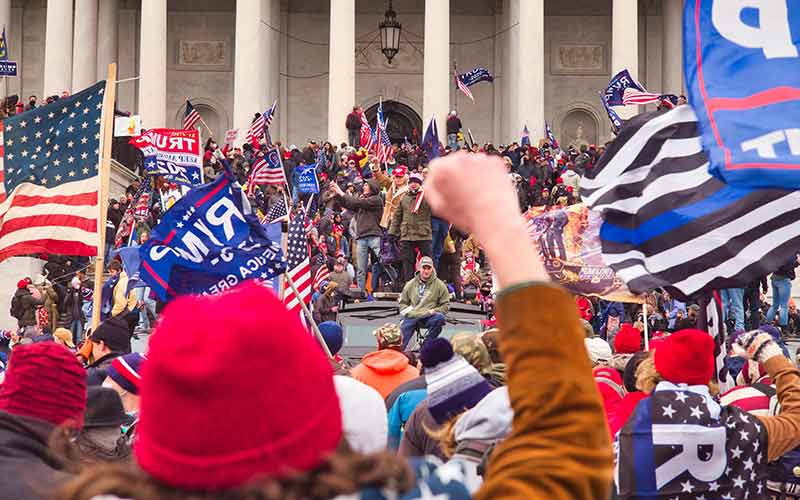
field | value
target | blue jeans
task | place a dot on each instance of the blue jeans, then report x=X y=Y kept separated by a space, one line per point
x=76 y=327
x=439 y=229
x=733 y=299
x=362 y=249
x=433 y=323
x=452 y=141
x=781 y=293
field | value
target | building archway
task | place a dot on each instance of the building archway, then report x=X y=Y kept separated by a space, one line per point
x=579 y=127
x=210 y=112
x=402 y=122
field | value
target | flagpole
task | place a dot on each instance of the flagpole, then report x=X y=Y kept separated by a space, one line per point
x=646 y=328
x=307 y=313
x=103 y=174
x=455 y=75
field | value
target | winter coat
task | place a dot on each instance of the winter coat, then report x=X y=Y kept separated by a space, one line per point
x=353 y=121
x=123 y=302
x=410 y=226
x=572 y=178
x=559 y=447
x=28 y=467
x=28 y=303
x=394 y=194
x=73 y=306
x=367 y=212
x=435 y=298
x=400 y=412
x=322 y=308
x=453 y=125
x=363 y=415
x=50 y=303
x=97 y=372
x=384 y=370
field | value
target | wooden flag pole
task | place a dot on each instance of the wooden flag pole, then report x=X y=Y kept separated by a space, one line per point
x=104 y=176
x=309 y=318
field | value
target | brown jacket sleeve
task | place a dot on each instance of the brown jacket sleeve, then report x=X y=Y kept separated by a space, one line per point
x=383 y=180
x=559 y=447
x=783 y=431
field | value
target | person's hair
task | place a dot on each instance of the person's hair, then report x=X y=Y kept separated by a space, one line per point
x=647 y=377
x=114 y=265
x=445 y=435
x=345 y=472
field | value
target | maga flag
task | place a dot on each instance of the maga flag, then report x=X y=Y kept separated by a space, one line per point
x=209 y=241
x=742 y=67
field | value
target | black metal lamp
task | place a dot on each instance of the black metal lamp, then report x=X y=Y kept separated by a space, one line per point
x=390 y=33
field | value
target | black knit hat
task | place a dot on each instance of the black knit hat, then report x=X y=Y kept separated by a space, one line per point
x=116 y=334
x=104 y=409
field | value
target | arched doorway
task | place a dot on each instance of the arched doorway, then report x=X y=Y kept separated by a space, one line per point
x=579 y=128
x=402 y=122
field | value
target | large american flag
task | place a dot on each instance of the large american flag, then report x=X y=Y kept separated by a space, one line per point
x=191 y=117
x=463 y=88
x=322 y=275
x=277 y=213
x=298 y=265
x=48 y=169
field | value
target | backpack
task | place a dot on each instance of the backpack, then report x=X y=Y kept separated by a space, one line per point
x=17 y=310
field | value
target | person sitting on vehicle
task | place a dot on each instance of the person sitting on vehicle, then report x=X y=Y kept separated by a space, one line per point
x=425 y=301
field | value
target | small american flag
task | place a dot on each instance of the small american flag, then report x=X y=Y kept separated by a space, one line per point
x=259 y=127
x=138 y=209
x=322 y=275
x=635 y=97
x=191 y=117
x=384 y=145
x=463 y=88
x=276 y=213
x=48 y=177
x=266 y=170
x=298 y=266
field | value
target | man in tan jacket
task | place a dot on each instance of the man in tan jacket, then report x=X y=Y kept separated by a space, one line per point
x=396 y=187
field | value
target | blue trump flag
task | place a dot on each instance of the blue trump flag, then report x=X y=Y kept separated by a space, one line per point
x=307 y=179
x=209 y=241
x=430 y=143
x=614 y=94
x=742 y=68
x=185 y=175
x=476 y=75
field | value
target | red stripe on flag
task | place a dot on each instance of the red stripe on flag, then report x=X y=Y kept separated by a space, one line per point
x=22 y=200
x=60 y=220
x=58 y=247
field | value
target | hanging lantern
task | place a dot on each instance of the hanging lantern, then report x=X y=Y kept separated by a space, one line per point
x=390 y=33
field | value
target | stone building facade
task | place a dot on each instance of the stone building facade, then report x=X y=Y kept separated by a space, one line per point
x=551 y=59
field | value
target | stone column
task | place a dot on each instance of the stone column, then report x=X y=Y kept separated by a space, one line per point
x=84 y=49
x=625 y=44
x=672 y=55
x=250 y=86
x=341 y=67
x=437 y=72
x=527 y=70
x=58 y=48
x=153 y=64
x=107 y=35
x=5 y=18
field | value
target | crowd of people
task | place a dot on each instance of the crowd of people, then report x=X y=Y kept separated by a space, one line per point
x=234 y=399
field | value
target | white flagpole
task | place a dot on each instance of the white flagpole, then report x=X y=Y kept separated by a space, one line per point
x=646 y=327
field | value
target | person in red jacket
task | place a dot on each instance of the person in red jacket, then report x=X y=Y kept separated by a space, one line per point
x=353 y=124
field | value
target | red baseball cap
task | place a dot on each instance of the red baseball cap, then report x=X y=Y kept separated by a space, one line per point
x=400 y=171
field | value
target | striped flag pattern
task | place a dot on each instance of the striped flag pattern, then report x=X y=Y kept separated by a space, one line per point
x=298 y=266
x=267 y=169
x=48 y=177
x=276 y=213
x=191 y=117
x=463 y=88
x=258 y=128
x=635 y=97
x=367 y=135
x=384 y=145
x=669 y=223
x=322 y=275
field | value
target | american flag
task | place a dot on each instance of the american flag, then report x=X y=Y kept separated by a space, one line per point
x=384 y=146
x=635 y=97
x=367 y=135
x=463 y=88
x=258 y=128
x=138 y=209
x=191 y=117
x=322 y=275
x=48 y=169
x=276 y=213
x=266 y=170
x=298 y=265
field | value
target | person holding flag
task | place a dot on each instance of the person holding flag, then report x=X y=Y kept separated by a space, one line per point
x=453 y=129
x=411 y=225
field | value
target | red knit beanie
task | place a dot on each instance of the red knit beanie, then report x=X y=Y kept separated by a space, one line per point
x=686 y=357
x=628 y=339
x=234 y=389
x=45 y=381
